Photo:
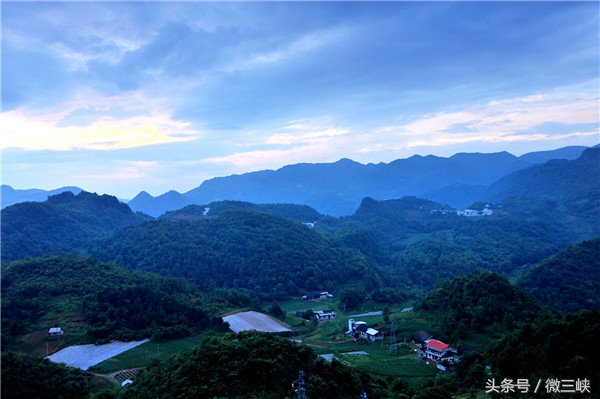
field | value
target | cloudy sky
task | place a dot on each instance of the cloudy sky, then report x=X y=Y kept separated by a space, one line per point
x=122 y=97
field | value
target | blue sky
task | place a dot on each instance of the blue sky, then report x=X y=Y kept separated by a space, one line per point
x=122 y=97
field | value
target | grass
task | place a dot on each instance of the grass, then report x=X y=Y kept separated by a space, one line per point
x=380 y=361
x=145 y=354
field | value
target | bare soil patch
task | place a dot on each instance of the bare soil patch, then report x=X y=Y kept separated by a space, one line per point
x=255 y=321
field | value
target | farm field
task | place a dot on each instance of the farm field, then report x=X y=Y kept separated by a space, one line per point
x=143 y=355
x=254 y=321
x=86 y=356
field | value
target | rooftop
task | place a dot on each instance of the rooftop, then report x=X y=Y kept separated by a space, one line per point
x=434 y=343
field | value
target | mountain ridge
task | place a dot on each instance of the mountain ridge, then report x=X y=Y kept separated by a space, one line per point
x=338 y=188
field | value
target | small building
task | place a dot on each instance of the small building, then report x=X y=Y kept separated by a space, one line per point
x=316 y=295
x=55 y=331
x=360 y=329
x=435 y=350
x=356 y=326
x=324 y=315
x=126 y=382
x=373 y=335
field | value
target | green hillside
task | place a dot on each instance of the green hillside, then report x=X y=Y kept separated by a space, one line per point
x=93 y=301
x=298 y=213
x=481 y=302
x=246 y=365
x=567 y=281
x=63 y=223
x=271 y=256
x=563 y=349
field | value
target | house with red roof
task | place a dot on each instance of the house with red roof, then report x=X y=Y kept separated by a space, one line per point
x=436 y=350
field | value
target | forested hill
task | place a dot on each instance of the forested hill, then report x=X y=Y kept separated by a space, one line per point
x=247 y=365
x=94 y=301
x=298 y=213
x=481 y=302
x=421 y=243
x=567 y=281
x=63 y=223
x=271 y=256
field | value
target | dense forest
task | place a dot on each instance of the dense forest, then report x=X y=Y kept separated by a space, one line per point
x=27 y=377
x=271 y=256
x=481 y=302
x=563 y=348
x=567 y=281
x=111 y=302
x=63 y=223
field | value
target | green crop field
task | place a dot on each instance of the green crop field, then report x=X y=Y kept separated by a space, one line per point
x=143 y=355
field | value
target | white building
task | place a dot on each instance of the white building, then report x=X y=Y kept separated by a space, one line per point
x=55 y=331
x=324 y=315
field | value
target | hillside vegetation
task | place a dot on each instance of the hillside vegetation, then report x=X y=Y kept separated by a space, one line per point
x=246 y=365
x=99 y=301
x=556 y=348
x=481 y=302
x=271 y=256
x=567 y=281
x=61 y=224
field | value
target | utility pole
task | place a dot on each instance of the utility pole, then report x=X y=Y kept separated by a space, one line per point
x=393 y=345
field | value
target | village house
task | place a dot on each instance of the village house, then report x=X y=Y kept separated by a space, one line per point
x=373 y=335
x=324 y=315
x=436 y=350
x=360 y=329
x=55 y=331
x=316 y=295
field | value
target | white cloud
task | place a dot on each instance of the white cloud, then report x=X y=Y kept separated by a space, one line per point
x=43 y=131
x=509 y=120
x=292 y=50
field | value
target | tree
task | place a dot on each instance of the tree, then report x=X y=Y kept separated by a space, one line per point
x=25 y=377
x=276 y=310
x=352 y=298
x=386 y=314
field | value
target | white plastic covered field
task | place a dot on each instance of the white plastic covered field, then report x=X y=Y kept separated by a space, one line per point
x=254 y=321
x=86 y=356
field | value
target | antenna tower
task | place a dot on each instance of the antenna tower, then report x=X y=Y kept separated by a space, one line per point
x=393 y=344
x=298 y=386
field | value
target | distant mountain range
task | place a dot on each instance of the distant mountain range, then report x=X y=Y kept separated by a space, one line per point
x=338 y=188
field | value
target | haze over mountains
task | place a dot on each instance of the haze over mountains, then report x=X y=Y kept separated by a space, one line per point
x=338 y=188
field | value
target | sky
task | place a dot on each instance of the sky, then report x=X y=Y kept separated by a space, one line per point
x=120 y=97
